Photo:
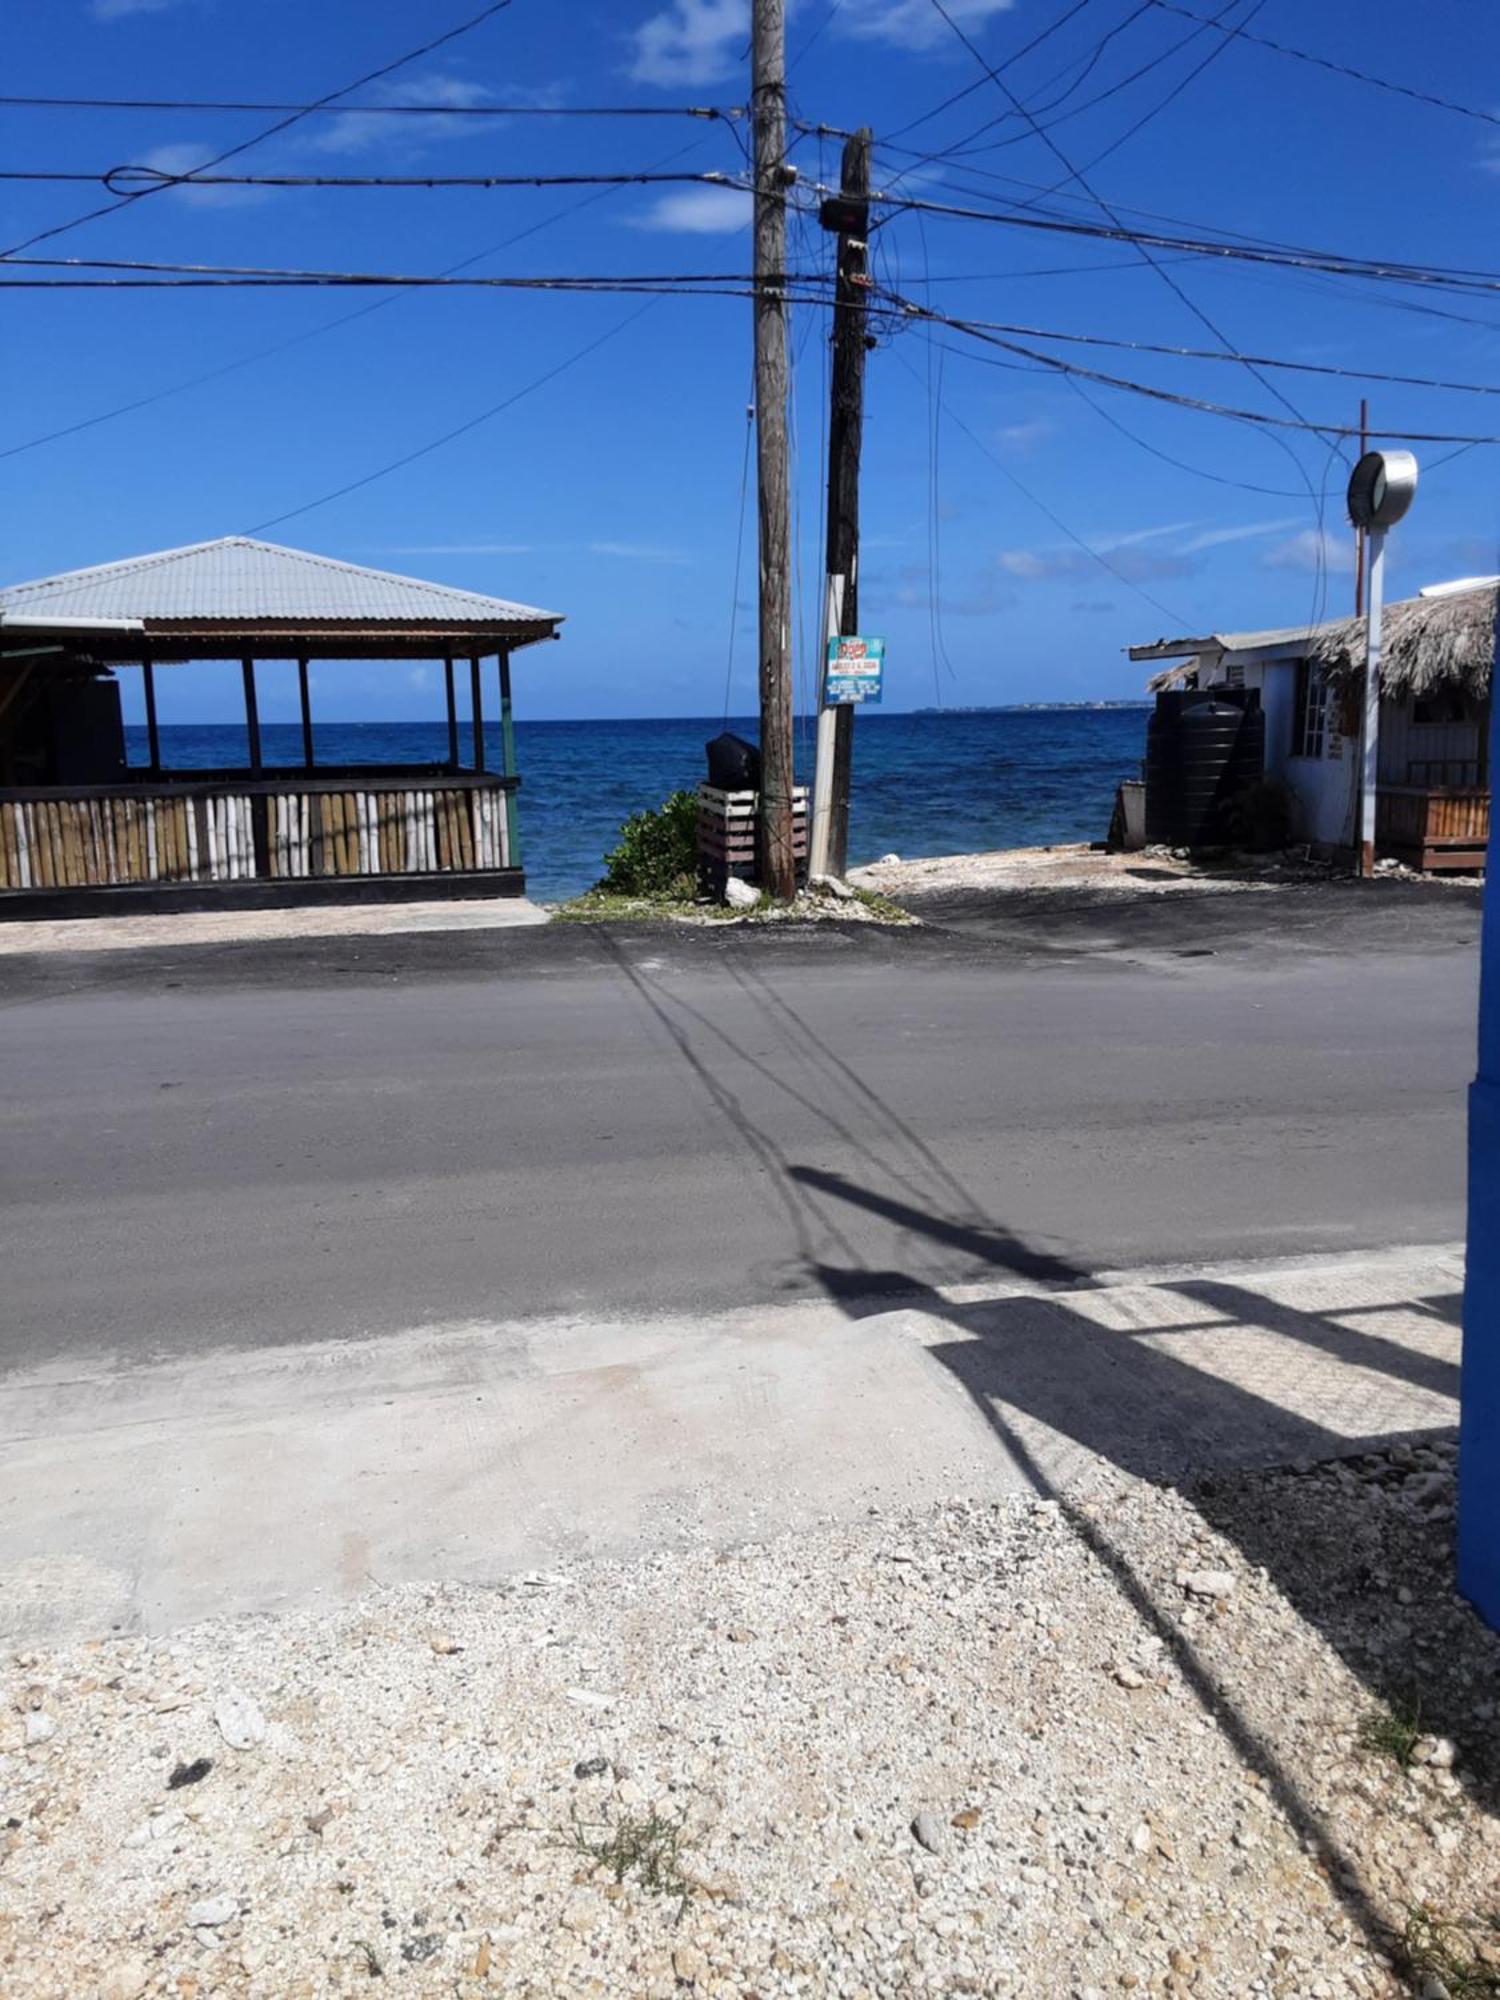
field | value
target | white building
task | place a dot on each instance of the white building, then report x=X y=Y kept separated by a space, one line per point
x=1438 y=655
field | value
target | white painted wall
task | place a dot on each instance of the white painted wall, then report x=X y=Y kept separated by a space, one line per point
x=1320 y=788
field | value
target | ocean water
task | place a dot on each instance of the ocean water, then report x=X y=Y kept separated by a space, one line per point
x=941 y=783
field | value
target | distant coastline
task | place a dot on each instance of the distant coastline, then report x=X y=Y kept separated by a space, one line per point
x=1034 y=707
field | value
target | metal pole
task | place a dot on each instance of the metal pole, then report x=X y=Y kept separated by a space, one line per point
x=452 y=713
x=304 y=699
x=252 y=712
x=153 y=737
x=508 y=761
x=772 y=177
x=1371 y=756
x=477 y=708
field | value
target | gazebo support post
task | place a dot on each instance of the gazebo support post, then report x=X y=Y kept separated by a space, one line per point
x=305 y=702
x=252 y=713
x=452 y=714
x=153 y=735
x=508 y=760
x=478 y=710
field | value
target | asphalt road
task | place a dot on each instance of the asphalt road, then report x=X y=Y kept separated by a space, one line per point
x=250 y=1145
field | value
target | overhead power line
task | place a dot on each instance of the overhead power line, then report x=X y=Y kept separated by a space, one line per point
x=916 y=310
x=341 y=110
x=281 y=125
x=942 y=407
x=147 y=180
x=969 y=89
x=458 y=430
x=328 y=325
x=1263 y=419
x=1290 y=257
x=253 y=274
x=1338 y=68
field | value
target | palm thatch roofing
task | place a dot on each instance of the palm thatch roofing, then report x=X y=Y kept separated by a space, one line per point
x=1446 y=640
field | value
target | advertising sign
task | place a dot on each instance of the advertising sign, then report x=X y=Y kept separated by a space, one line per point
x=855 y=667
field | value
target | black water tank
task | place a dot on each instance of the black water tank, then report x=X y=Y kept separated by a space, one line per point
x=1203 y=746
x=733 y=764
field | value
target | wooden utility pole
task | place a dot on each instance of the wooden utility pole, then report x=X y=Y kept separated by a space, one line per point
x=849 y=215
x=768 y=110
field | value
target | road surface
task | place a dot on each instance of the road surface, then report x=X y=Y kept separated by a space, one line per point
x=320 y=1140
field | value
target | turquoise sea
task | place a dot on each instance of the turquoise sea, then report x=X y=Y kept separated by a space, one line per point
x=940 y=783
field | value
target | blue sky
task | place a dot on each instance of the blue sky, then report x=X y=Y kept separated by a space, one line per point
x=611 y=492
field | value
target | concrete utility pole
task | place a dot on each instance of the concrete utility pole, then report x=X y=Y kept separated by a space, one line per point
x=768 y=110
x=849 y=215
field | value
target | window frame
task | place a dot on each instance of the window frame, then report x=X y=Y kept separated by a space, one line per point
x=1310 y=712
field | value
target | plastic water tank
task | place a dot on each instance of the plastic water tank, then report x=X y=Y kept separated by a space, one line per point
x=1203 y=746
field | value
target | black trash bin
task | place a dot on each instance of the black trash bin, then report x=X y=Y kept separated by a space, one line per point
x=733 y=764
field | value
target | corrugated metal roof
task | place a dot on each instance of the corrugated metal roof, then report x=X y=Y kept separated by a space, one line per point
x=238 y=578
x=1231 y=642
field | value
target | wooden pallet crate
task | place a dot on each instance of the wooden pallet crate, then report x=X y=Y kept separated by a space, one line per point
x=729 y=837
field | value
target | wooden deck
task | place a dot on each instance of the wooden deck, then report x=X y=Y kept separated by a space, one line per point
x=1434 y=828
x=348 y=830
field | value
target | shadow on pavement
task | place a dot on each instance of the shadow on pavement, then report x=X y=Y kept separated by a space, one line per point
x=1188 y=1385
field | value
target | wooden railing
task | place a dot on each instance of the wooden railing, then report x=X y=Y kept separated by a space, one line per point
x=1433 y=828
x=237 y=828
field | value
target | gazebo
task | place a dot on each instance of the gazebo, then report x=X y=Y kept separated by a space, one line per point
x=82 y=831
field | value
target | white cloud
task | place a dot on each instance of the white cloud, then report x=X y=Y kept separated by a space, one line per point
x=1127 y=556
x=690 y=41
x=1216 y=538
x=119 y=10
x=638 y=552
x=422 y=678
x=916 y=24
x=352 y=131
x=700 y=211
x=703 y=41
x=1025 y=437
x=184 y=159
x=1185 y=540
x=1314 y=551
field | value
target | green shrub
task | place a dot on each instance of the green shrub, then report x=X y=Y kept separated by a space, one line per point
x=658 y=852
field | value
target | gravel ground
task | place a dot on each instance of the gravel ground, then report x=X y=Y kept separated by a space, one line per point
x=1046 y=1748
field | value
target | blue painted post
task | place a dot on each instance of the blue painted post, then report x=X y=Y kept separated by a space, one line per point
x=1479 y=1427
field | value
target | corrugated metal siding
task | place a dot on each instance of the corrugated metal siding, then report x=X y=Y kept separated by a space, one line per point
x=240 y=578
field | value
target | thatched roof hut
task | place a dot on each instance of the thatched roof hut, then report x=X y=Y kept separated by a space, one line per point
x=1442 y=640
x=1426 y=643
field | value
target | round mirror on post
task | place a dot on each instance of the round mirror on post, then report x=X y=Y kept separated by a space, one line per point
x=1381 y=488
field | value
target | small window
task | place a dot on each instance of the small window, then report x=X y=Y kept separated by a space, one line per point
x=1444 y=706
x=1234 y=677
x=1310 y=713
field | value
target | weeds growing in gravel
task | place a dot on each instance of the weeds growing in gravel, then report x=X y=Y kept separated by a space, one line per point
x=1393 y=1732
x=1437 y=1948
x=646 y=1846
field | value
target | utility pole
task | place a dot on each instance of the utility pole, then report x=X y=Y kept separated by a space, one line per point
x=849 y=214
x=772 y=177
x=1359 y=533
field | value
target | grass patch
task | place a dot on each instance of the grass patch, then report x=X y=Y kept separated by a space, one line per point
x=607 y=906
x=641 y=1847
x=1439 y=1948
x=603 y=905
x=882 y=907
x=1393 y=1732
